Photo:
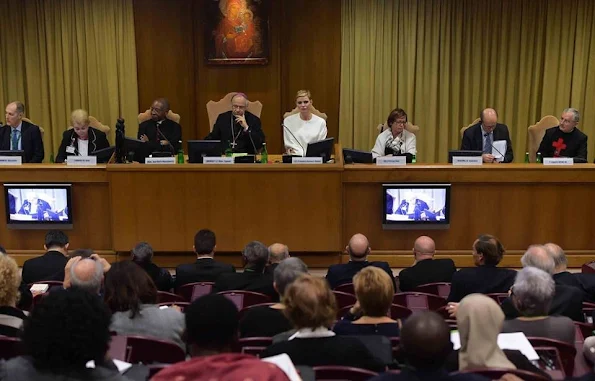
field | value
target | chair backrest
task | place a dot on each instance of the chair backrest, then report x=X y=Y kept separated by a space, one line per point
x=10 y=347
x=344 y=299
x=224 y=105
x=466 y=127
x=253 y=345
x=419 y=300
x=582 y=331
x=588 y=268
x=313 y=110
x=244 y=310
x=496 y=373
x=168 y=297
x=499 y=297
x=410 y=127
x=144 y=116
x=148 y=350
x=399 y=312
x=441 y=289
x=551 y=362
x=93 y=122
x=567 y=351
x=334 y=372
x=536 y=131
x=40 y=128
x=192 y=291
x=244 y=299
x=346 y=287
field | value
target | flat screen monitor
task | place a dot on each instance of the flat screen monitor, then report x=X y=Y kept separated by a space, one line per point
x=104 y=155
x=135 y=150
x=19 y=152
x=415 y=206
x=354 y=156
x=197 y=149
x=321 y=148
x=458 y=152
x=38 y=206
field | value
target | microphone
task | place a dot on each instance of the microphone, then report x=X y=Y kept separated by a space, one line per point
x=494 y=148
x=296 y=139
x=166 y=139
x=252 y=141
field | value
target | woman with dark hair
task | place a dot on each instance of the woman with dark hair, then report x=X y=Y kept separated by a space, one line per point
x=395 y=140
x=132 y=296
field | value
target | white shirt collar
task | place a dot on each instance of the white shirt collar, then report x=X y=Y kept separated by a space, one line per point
x=18 y=128
x=309 y=333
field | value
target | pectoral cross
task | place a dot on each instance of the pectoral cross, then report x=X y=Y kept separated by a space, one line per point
x=233 y=145
x=559 y=146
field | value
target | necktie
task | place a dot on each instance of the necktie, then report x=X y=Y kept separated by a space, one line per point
x=15 y=140
x=487 y=147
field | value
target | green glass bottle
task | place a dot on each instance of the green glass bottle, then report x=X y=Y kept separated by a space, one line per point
x=539 y=160
x=414 y=159
x=228 y=150
x=526 y=157
x=52 y=158
x=180 y=154
x=264 y=156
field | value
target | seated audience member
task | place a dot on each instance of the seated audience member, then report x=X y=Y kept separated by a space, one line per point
x=132 y=296
x=311 y=307
x=565 y=140
x=85 y=274
x=238 y=129
x=205 y=269
x=532 y=296
x=423 y=361
x=358 y=250
x=49 y=266
x=81 y=140
x=481 y=137
x=67 y=329
x=142 y=255
x=479 y=321
x=211 y=334
x=83 y=253
x=18 y=134
x=268 y=321
x=567 y=301
x=26 y=298
x=159 y=133
x=485 y=278
x=11 y=318
x=395 y=140
x=303 y=127
x=254 y=256
x=584 y=282
x=426 y=269
x=374 y=293
x=277 y=252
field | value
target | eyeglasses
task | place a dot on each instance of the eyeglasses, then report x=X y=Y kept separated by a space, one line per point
x=401 y=122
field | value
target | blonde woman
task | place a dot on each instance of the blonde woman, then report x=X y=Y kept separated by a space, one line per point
x=304 y=127
x=82 y=139
x=11 y=318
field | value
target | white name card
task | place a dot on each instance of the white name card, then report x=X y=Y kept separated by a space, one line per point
x=306 y=160
x=391 y=160
x=81 y=160
x=467 y=160
x=558 y=161
x=11 y=160
x=160 y=160
x=217 y=160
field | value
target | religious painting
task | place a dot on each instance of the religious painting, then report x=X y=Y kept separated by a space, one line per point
x=237 y=31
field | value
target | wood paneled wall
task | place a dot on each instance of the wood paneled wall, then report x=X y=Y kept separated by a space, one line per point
x=305 y=53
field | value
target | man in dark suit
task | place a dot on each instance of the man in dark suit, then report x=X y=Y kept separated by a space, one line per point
x=142 y=255
x=21 y=135
x=426 y=269
x=160 y=134
x=255 y=257
x=481 y=137
x=205 y=269
x=584 y=282
x=358 y=250
x=238 y=129
x=49 y=266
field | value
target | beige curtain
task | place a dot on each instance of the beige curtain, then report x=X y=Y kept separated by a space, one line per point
x=443 y=61
x=60 y=55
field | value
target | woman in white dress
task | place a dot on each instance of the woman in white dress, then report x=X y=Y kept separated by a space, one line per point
x=395 y=140
x=304 y=127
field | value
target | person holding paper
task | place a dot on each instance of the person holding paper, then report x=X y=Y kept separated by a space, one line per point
x=82 y=139
x=18 y=134
x=490 y=137
x=302 y=128
x=565 y=140
x=160 y=133
x=395 y=140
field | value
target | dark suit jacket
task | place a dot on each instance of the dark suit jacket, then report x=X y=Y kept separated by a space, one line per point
x=584 y=282
x=481 y=279
x=343 y=273
x=247 y=281
x=270 y=269
x=426 y=271
x=203 y=270
x=31 y=141
x=168 y=130
x=161 y=277
x=427 y=375
x=222 y=131
x=568 y=301
x=97 y=141
x=49 y=266
x=473 y=139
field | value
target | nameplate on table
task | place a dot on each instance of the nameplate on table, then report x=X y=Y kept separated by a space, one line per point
x=306 y=160
x=558 y=161
x=467 y=160
x=391 y=160
x=160 y=160
x=217 y=160
x=81 y=160
x=11 y=160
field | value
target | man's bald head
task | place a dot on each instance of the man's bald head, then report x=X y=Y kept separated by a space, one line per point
x=358 y=247
x=489 y=119
x=424 y=247
x=87 y=274
x=538 y=256
x=419 y=330
x=278 y=252
x=559 y=257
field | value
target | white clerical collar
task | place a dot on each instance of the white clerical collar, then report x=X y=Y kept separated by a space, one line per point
x=204 y=258
x=309 y=333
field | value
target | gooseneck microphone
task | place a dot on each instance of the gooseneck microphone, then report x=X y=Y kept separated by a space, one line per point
x=173 y=150
x=252 y=141
x=296 y=139
x=494 y=148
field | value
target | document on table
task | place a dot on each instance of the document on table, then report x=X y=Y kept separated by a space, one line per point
x=516 y=340
x=499 y=150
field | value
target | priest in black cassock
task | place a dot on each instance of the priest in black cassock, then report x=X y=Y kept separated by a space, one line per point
x=565 y=140
x=160 y=134
x=238 y=129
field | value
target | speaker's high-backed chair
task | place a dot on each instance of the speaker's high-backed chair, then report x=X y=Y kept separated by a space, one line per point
x=409 y=127
x=40 y=128
x=224 y=105
x=93 y=122
x=536 y=131
x=144 y=116
x=466 y=127
x=313 y=110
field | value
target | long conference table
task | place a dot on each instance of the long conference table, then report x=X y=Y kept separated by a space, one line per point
x=314 y=209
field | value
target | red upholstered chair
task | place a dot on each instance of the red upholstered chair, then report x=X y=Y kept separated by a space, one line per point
x=168 y=297
x=193 y=291
x=253 y=345
x=588 y=268
x=155 y=368
x=10 y=347
x=498 y=296
x=246 y=309
x=419 y=300
x=344 y=299
x=182 y=305
x=328 y=372
x=146 y=350
x=588 y=309
x=347 y=288
x=583 y=330
x=441 y=289
x=244 y=299
x=496 y=373
x=567 y=351
x=398 y=311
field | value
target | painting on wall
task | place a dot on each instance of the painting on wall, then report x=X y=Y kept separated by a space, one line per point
x=237 y=31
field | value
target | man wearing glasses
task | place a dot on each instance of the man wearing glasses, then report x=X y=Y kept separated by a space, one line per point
x=238 y=129
x=160 y=134
x=565 y=140
x=490 y=137
x=395 y=140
